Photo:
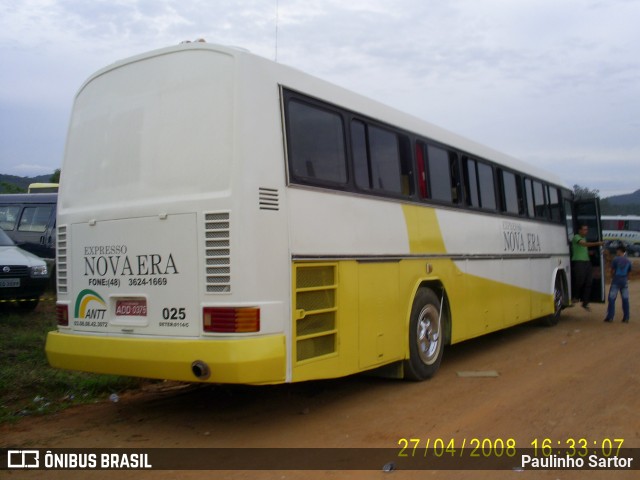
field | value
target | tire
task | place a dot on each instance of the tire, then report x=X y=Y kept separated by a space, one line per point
x=426 y=337
x=558 y=303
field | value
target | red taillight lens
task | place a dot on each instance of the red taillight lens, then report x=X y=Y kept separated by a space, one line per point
x=62 y=315
x=231 y=320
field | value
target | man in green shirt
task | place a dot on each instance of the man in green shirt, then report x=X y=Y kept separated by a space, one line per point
x=581 y=265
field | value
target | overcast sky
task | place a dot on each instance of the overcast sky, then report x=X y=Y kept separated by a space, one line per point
x=552 y=82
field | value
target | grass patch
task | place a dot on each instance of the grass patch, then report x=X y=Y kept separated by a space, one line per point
x=28 y=385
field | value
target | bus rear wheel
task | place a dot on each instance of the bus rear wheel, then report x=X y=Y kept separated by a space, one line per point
x=558 y=303
x=426 y=339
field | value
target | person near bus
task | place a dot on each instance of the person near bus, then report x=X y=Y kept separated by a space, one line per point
x=620 y=268
x=581 y=265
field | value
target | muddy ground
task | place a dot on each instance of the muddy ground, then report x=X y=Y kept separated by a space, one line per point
x=579 y=379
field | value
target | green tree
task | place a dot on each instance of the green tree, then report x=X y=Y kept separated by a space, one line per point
x=585 y=192
x=6 y=187
x=55 y=178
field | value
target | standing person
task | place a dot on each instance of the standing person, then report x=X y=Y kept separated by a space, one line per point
x=620 y=268
x=581 y=265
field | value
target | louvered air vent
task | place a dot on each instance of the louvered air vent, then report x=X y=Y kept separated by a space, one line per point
x=61 y=261
x=269 y=199
x=218 y=252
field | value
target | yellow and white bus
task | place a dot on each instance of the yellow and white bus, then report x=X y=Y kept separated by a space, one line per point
x=224 y=218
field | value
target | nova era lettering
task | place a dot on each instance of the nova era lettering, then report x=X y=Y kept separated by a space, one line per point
x=139 y=265
x=513 y=241
x=533 y=242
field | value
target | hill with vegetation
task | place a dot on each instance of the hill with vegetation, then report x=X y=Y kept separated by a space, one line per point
x=15 y=184
x=628 y=204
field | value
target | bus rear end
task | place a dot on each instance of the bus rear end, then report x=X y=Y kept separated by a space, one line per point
x=147 y=226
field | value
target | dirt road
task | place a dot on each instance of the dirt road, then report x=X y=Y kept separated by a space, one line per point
x=580 y=379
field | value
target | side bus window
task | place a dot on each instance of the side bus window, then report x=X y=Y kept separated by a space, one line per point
x=511 y=195
x=554 y=205
x=316 y=145
x=540 y=200
x=471 y=183
x=378 y=159
x=479 y=185
x=528 y=186
x=443 y=177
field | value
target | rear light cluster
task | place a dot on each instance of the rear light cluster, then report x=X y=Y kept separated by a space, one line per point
x=62 y=315
x=231 y=320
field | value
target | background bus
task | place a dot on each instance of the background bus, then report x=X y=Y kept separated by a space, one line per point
x=43 y=188
x=622 y=227
x=225 y=218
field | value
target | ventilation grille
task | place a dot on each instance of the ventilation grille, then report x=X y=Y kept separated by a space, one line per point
x=315 y=311
x=61 y=260
x=218 y=252
x=269 y=199
x=13 y=271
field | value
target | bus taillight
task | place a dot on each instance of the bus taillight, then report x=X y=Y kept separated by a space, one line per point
x=231 y=320
x=62 y=315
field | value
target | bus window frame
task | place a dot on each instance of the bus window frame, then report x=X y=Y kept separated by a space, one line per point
x=417 y=182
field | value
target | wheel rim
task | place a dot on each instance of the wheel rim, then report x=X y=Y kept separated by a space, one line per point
x=428 y=334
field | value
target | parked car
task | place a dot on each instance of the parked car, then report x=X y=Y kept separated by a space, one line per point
x=23 y=275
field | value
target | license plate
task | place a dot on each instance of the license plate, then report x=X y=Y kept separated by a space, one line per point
x=9 y=282
x=131 y=308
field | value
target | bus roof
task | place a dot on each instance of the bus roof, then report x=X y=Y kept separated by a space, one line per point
x=10 y=198
x=620 y=217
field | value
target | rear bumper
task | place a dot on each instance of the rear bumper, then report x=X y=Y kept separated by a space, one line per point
x=257 y=360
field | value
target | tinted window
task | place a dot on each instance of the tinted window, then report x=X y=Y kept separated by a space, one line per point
x=360 y=157
x=479 y=185
x=385 y=160
x=487 y=186
x=316 y=143
x=510 y=193
x=439 y=171
x=554 y=204
x=376 y=158
x=471 y=184
x=540 y=200
x=529 y=192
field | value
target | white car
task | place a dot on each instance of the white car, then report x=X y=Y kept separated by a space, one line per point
x=23 y=276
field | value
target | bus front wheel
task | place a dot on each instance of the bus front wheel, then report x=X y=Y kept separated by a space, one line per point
x=426 y=339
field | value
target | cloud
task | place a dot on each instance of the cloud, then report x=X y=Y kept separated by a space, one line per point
x=550 y=82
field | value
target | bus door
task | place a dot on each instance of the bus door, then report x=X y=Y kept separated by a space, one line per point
x=586 y=211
